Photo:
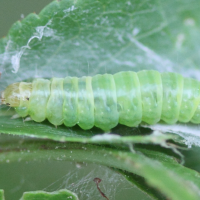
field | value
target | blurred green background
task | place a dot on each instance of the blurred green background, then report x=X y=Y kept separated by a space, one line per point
x=12 y=10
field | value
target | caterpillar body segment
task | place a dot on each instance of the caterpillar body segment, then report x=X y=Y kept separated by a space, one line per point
x=54 y=106
x=151 y=96
x=172 y=96
x=128 y=94
x=85 y=101
x=70 y=104
x=190 y=101
x=38 y=99
x=105 y=100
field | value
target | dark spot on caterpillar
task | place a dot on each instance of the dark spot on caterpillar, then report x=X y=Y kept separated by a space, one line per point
x=97 y=181
x=27 y=98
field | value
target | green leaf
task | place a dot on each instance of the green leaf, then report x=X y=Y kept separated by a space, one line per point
x=42 y=195
x=1 y=194
x=63 y=134
x=80 y=38
x=161 y=171
x=189 y=133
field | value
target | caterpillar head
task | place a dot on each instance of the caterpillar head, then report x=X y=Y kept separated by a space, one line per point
x=11 y=95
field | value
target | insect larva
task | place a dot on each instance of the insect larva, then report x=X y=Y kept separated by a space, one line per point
x=105 y=100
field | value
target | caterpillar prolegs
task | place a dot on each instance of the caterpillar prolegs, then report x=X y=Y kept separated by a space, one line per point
x=105 y=100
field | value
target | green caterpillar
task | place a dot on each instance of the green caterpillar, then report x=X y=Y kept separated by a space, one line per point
x=105 y=100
